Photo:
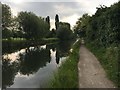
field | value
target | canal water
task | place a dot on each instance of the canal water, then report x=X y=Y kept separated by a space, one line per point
x=33 y=67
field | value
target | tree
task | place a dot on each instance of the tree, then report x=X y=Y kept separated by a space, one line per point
x=48 y=21
x=81 y=25
x=34 y=27
x=56 y=21
x=6 y=21
x=64 y=32
x=104 y=25
x=52 y=33
x=15 y=28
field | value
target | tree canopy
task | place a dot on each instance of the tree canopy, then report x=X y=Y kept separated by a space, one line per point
x=103 y=27
x=34 y=27
x=81 y=25
x=6 y=21
x=64 y=32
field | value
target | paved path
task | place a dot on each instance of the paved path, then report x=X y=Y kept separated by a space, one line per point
x=91 y=73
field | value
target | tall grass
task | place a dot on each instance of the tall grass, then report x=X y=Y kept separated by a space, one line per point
x=67 y=75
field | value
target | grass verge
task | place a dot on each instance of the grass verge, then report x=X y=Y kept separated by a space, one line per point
x=67 y=75
x=109 y=59
x=14 y=44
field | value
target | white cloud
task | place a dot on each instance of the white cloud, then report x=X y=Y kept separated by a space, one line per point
x=68 y=10
x=61 y=8
x=71 y=19
x=90 y=5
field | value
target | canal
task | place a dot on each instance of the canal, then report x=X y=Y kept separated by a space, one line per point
x=34 y=66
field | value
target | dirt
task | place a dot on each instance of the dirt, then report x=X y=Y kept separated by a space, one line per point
x=91 y=73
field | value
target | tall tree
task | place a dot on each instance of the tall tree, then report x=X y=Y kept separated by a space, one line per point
x=56 y=21
x=48 y=21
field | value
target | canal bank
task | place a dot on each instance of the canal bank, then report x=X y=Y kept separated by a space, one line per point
x=67 y=75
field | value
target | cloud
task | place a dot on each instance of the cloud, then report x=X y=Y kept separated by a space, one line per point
x=71 y=19
x=89 y=6
x=68 y=10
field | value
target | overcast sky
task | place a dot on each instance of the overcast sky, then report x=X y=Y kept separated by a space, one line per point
x=68 y=10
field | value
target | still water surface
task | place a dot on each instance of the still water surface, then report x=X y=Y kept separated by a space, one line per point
x=33 y=67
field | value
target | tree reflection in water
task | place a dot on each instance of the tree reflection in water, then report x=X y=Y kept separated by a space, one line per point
x=28 y=63
x=34 y=59
x=62 y=49
x=9 y=70
x=31 y=60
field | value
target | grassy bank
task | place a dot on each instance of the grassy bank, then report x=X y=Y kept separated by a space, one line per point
x=13 y=44
x=109 y=59
x=67 y=75
x=50 y=40
x=19 y=40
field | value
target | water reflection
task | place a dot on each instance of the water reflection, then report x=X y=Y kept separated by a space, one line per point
x=33 y=59
x=9 y=70
x=33 y=66
x=64 y=47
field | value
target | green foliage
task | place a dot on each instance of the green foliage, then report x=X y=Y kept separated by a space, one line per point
x=6 y=16
x=103 y=32
x=30 y=26
x=64 y=32
x=6 y=21
x=6 y=33
x=14 y=44
x=15 y=28
x=17 y=34
x=52 y=34
x=26 y=25
x=33 y=26
x=67 y=75
x=102 y=38
x=104 y=26
x=81 y=25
